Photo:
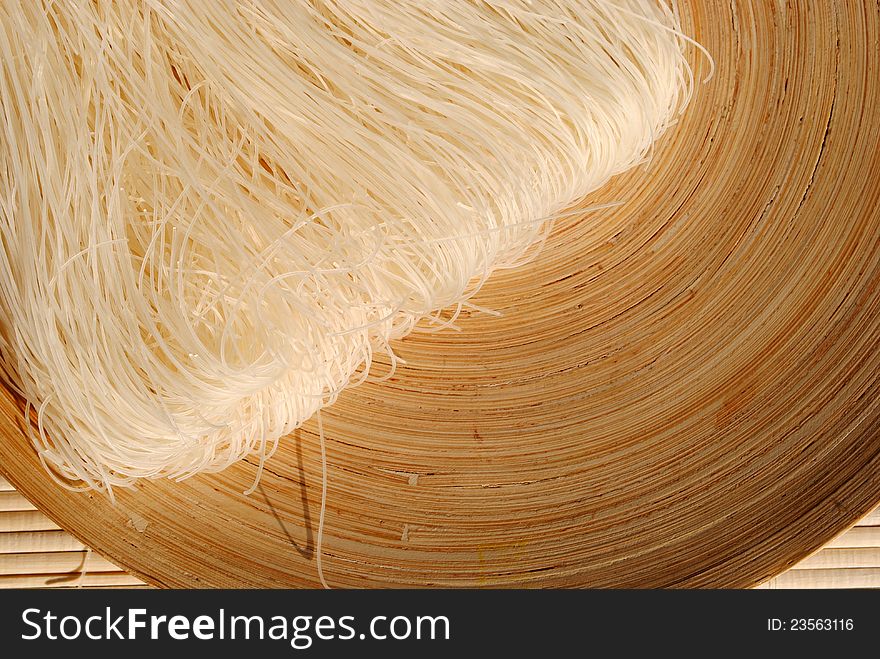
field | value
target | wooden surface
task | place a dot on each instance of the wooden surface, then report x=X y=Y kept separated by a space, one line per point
x=851 y=560
x=680 y=392
x=35 y=553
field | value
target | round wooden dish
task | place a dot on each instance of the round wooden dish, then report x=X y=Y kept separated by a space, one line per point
x=680 y=392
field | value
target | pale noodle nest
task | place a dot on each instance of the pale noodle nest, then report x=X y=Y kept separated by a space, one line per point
x=213 y=213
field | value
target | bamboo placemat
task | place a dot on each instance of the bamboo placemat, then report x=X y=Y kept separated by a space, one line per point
x=851 y=560
x=681 y=391
x=36 y=553
x=29 y=560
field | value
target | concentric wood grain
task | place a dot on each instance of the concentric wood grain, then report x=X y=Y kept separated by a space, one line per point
x=680 y=392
